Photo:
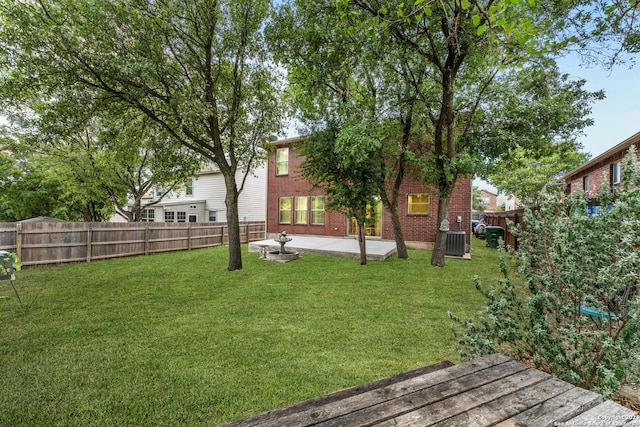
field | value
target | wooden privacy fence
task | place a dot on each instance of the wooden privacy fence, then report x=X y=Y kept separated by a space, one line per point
x=501 y=219
x=42 y=243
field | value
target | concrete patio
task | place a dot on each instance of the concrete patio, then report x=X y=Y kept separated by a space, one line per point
x=344 y=247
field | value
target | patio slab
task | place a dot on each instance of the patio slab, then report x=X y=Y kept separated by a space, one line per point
x=343 y=247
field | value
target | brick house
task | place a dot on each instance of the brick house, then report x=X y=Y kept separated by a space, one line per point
x=489 y=200
x=293 y=206
x=607 y=165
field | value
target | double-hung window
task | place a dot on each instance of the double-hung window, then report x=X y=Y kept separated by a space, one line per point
x=317 y=210
x=282 y=161
x=585 y=184
x=301 y=212
x=284 y=210
x=616 y=175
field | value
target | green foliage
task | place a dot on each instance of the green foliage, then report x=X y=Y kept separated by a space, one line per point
x=476 y=200
x=30 y=188
x=462 y=61
x=199 y=71
x=344 y=164
x=525 y=172
x=571 y=260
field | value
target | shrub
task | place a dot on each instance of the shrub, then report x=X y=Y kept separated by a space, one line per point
x=579 y=319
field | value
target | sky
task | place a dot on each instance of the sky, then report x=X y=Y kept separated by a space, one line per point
x=616 y=118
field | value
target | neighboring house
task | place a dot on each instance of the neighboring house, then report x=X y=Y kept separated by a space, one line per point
x=295 y=207
x=608 y=166
x=489 y=200
x=511 y=203
x=203 y=199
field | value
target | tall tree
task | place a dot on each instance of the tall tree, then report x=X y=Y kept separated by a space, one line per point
x=336 y=77
x=343 y=163
x=467 y=48
x=199 y=70
x=525 y=172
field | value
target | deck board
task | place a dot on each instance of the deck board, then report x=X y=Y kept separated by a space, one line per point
x=492 y=390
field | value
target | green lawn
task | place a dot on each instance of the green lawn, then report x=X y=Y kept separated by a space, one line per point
x=175 y=339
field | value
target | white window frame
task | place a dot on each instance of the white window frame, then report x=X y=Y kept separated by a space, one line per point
x=282 y=161
x=284 y=215
x=616 y=175
x=316 y=212
x=301 y=210
x=148 y=215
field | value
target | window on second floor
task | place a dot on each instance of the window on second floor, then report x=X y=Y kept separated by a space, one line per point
x=585 y=184
x=282 y=161
x=189 y=188
x=616 y=176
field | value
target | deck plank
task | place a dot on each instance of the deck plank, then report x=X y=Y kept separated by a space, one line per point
x=390 y=408
x=279 y=413
x=507 y=406
x=492 y=390
x=328 y=407
x=461 y=403
x=559 y=409
x=608 y=414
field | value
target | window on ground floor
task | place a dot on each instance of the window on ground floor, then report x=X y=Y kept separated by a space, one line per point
x=418 y=204
x=169 y=217
x=213 y=216
x=301 y=210
x=182 y=217
x=317 y=210
x=284 y=216
x=148 y=215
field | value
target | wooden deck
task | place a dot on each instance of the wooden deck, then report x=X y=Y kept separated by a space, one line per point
x=491 y=391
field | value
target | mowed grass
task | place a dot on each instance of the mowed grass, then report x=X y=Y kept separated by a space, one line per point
x=175 y=339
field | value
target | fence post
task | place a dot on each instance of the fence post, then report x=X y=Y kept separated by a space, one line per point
x=146 y=238
x=19 y=241
x=89 y=242
x=189 y=237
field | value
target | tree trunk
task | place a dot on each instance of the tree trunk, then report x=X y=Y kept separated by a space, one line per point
x=437 y=256
x=401 y=246
x=362 y=242
x=233 y=224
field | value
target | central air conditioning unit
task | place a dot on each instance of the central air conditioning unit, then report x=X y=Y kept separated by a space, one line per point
x=456 y=243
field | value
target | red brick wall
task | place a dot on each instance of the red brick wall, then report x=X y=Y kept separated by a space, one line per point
x=416 y=228
x=596 y=173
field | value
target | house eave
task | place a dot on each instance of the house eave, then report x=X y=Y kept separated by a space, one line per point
x=623 y=146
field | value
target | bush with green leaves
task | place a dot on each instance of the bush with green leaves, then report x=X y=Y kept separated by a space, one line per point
x=579 y=319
